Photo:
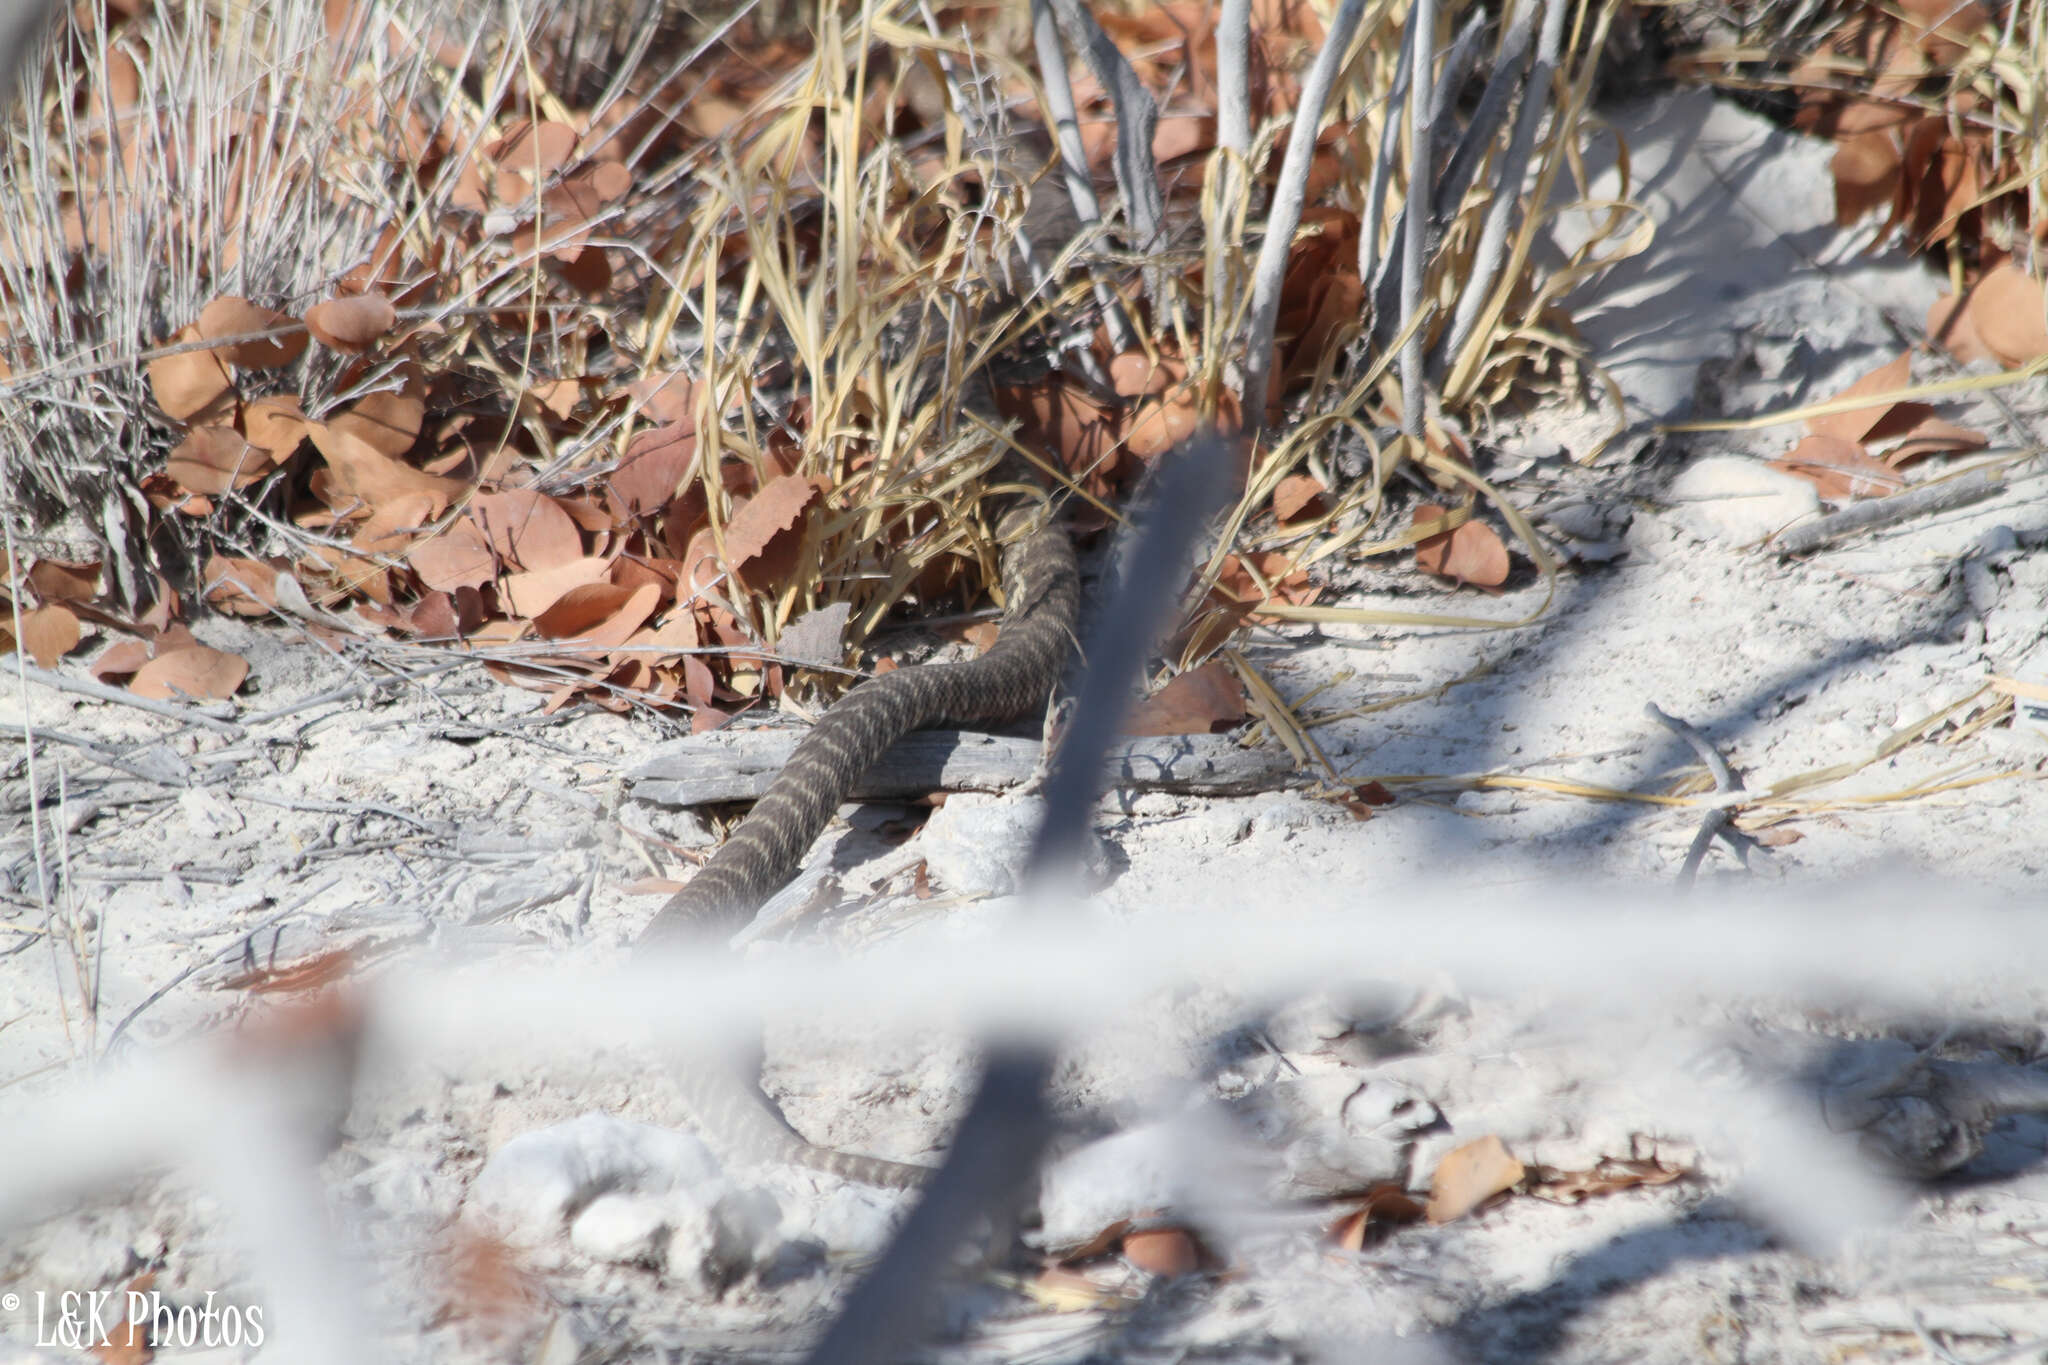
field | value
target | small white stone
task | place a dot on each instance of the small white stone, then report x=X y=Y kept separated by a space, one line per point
x=976 y=845
x=625 y=1229
x=533 y=1183
x=1740 y=501
x=1153 y=1168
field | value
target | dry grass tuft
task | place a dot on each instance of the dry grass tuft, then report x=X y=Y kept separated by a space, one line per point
x=635 y=340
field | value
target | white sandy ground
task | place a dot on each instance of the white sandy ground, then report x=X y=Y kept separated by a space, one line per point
x=1476 y=998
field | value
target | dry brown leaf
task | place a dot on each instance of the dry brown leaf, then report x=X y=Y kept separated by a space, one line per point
x=667 y=397
x=601 y=615
x=64 y=580
x=127 y=1340
x=530 y=594
x=351 y=323
x=1839 y=469
x=187 y=384
x=1137 y=375
x=1163 y=1251
x=775 y=509
x=1934 y=436
x=1068 y=422
x=1163 y=423
x=48 y=634
x=1198 y=702
x=1298 y=494
x=528 y=147
x=213 y=460
x=368 y=474
x=228 y=316
x=1468 y=1177
x=1866 y=168
x=1383 y=1204
x=387 y=422
x=121 y=660
x=1609 y=1177
x=306 y=974
x=241 y=587
x=194 y=671
x=1949 y=325
x=1857 y=423
x=459 y=557
x=1471 y=553
x=656 y=463
x=527 y=528
x=2006 y=310
x=274 y=424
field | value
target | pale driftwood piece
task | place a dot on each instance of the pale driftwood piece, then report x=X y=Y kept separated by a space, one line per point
x=1878 y=513
x=709 y=768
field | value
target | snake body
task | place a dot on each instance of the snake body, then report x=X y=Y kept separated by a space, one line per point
x=1011 y=678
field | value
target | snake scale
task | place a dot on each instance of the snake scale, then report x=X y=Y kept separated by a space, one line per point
x=1011 y=678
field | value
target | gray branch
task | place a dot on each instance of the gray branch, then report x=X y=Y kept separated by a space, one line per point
x=1285 y=215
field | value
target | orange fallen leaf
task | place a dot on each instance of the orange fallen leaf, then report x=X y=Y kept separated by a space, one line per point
x=1198 y=702
x=775 y=509
x=1468 y=1177
x=351 y=323
x=374 y=477
x=656 y=463
x=2006 y=310
x=1134 y=374
x=1934 y=436
x=530 y=594
x=49 y=633
x=1471 y=553
x=196 y=671
x=214 y=460
x=1163 y=1251
x=1839 y=469
x=1296 y=494
x=1866 y=170
x=529 y=147
x=601 y=614
x=1164 y=422
x=527 y=528
x=1383 y=1204
x=241 y=587
x=459 y=557
x=275 y=424
x=1949 y=325
x=127 y=1340
x=1857 y=423
x=1610 y=1176
x=186 y=384
x=228 y=315
x=121 y=660
x=306 y=974
x=387 y=422
x=63 y=580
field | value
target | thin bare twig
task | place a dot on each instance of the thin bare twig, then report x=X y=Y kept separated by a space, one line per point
x=1233 y=133
x=1285 y=214
x=1716 y=823
x=1137 y=174
x=1059 y=103
x=1507 y=193
x=208 y=716
x=1415 y=217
